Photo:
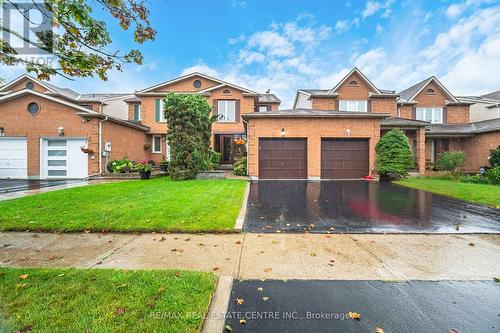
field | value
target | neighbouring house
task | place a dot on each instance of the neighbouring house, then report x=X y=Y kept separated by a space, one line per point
x=229 y=102
x=485 y=107
x=48 y=132
x=332 y=133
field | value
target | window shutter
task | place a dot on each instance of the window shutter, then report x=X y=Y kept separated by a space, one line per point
x=158 y=110
x=136 y=112
x=215 y=110
x=337 y=105
x=237 y=113
x=414 y=112
x=369 y=106
x=445 y=115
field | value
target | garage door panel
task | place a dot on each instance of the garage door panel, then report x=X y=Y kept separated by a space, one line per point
x=344 y=158
x=282 y=158
x=13 y=158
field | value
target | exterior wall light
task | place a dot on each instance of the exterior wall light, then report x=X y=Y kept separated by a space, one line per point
x=2 y=131
x=60 y=131
x=347 y=133
x=282 y=132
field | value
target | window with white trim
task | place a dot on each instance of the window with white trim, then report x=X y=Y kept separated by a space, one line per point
x=262 y=108
x=432 y=115
x=162 y=112
x=353 y=105
x=226 y=111
x=137 y=112
x=156 y=146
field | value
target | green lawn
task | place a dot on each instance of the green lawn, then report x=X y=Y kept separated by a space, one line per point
x=477 y=193
x=74 y=300
x=155 y=205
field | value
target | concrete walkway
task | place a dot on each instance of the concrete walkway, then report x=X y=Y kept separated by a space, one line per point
x=266 y=256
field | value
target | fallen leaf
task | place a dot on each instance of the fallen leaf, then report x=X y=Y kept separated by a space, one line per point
x=24 y=276
x=151 y=305
x=496 y=279
x=187 y=239
x=471 y=244
x=238 y=242
x=313 y=254
x=162 y=239
x=120 y=311
x=331 y=228
x=178 y=274
x=240 y=301
x=121 y=286
x=215 y=269
x=25 y=329
x=378 y=330
x=243 y=321
x=453 y=331
x=354 y=315
x=161 y=290
x=260 y=289
x=228 y=328
x=267 y=270
x=61 y=275
x=265 y=298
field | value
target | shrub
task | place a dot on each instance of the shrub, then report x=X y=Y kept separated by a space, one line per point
x=494 y=157
x=393 y=154
x=240 y=167
x=120 y=166
x=450 y=160
x=143 y=166
x=475 y=179
x=493 y=175
x=207 y=161
x=189 y=131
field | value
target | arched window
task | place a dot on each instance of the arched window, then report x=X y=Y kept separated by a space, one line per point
x=226 y=92
x=430 y=91
x=353 y=83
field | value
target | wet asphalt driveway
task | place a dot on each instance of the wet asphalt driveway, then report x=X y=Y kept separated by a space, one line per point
x=322 y=306
x=17 y=185
x=360 y=207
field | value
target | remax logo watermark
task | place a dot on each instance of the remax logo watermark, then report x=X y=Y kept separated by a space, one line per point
x=26 y=28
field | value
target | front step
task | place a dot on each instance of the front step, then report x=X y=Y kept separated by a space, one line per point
x=225 y=167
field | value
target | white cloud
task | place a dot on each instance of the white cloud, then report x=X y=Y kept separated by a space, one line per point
x=454 y=10
x=236 y=40
x=373 y=7
x=271 y=43
x=249 y=57
x=239 y=3
x=342 y=26
x=201 y=68
x=379 y=29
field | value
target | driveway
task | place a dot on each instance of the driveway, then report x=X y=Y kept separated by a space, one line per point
x=322 y=306
x=360 y=207
x=17 y=185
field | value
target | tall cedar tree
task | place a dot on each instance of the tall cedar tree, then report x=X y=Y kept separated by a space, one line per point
x=189 y=130
x=393 y=154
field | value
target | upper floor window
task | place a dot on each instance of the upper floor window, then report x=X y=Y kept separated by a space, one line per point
x=353 y=105
x=137 y=112
x=432 y=115
x=262 y=108
x=353 y=83
x=226 y=111
x=87 y=106
x=30 y=85
x=197 y=84
x=430 y=91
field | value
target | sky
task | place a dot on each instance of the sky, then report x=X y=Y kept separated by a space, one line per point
x=288 y=45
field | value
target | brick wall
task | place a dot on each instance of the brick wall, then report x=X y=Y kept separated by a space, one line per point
x=125 y=141
x=477 y=150
x=313 y=129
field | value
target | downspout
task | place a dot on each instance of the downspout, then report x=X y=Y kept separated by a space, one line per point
x=100 y=145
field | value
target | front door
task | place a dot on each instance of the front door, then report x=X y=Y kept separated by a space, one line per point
x=63 y=158
x=226 y=149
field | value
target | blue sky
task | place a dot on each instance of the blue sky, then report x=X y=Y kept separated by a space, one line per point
x=285 y=45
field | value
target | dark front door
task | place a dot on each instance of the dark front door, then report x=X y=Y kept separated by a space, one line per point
x=282 y=159
x=227 y=149
x=344 y=158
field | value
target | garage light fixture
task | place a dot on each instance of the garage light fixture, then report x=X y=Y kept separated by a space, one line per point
x=60 y=131
x=2 y=131
x=282 y=132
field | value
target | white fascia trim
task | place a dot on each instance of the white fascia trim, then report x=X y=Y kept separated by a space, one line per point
x=297 y=97
x=227 y=84
x=355 y=70
x=180 y=78
x=54 y=99
x=26 y=76
x=447 y=92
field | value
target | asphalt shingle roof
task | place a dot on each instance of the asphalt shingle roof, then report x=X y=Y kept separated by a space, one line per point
x=268 y=98
x=408 y=93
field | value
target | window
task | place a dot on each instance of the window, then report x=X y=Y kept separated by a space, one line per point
x=162 y=113
x=262 y=108
x=430 y=91
x=226 y=92
x=156 y=144
x=30 y=85
x=33 y=108
x=56 y=143
x=56 y=153
x=352 y=105
x=137 y=112
x=87 y=106
x=432 y=115
x=226 y=111
x=353 y=83
x=197 y=84
x=56 y=173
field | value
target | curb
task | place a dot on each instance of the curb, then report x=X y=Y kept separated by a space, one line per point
x=216 y=316
x=243 y=211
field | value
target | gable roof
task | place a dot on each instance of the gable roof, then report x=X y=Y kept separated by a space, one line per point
x=81 y=111
x=227 y=84
x=493 y=95
x=467 y=129
x=187 y=76
x=363 y=77
x=409 y=94
x=46 y=85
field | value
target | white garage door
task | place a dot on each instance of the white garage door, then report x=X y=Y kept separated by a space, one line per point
x=63 y=158
x=13 y=158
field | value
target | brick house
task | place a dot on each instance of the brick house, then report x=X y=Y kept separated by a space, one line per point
x=48 y=132
x=332 y=133
x=228 y=100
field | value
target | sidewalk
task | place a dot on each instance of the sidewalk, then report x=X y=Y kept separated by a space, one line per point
x=266 y=256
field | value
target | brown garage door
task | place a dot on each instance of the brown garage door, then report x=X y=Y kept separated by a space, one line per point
x=344 y=158
x=282 y=159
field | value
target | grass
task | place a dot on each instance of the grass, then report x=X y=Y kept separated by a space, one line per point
x=477 y=193
x=74 y=300
x=154 y=205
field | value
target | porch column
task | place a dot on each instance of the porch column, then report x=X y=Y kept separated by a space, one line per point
x=420 y=136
